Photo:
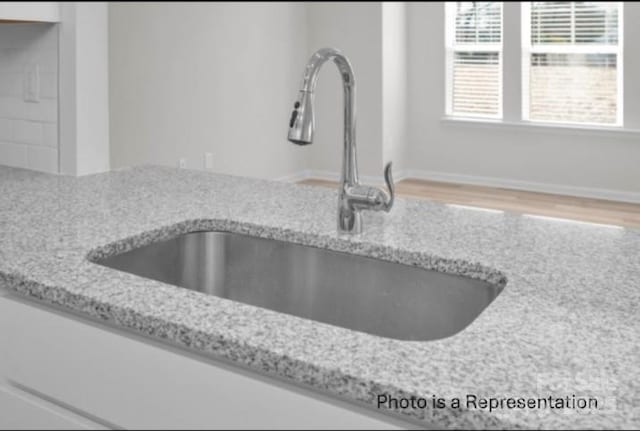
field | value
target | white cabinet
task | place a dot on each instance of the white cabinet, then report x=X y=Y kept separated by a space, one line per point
x=123 y=380
x=21 y=410
x=30 y=11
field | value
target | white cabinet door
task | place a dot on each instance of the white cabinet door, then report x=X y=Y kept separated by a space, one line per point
x=131 y=382
x=23 y=411
x=30 y=11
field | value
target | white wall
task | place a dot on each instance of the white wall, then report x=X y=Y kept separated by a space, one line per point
x=84 y=88
x=184 y=81
x=193 y=78
x=555 y=160
x=92 y=87
x=355 y=29
x=190 y=78
x=394 y=85
x=28 y=129
x=373 y=36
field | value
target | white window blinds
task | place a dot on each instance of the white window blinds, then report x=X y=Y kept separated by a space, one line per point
x=571 y=63
x=474 y=59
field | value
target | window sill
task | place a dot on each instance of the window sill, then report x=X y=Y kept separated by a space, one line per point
x=571 y=129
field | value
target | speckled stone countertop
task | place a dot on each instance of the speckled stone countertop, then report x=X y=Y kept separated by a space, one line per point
x=566 y=323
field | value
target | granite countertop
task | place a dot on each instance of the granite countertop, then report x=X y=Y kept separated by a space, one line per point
x=566 y=322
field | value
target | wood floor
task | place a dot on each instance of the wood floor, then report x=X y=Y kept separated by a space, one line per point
x=543 y=204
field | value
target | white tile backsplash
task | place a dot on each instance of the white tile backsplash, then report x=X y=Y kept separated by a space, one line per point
x=48 y=85
x=29 y=130
x=50 y=135
x=12 y=107
x=11 y=84
x=6 y=130
x=46 y=110
x=14 y=155
x=42 y=159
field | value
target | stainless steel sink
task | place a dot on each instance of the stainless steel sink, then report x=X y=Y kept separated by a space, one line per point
x=364 y=294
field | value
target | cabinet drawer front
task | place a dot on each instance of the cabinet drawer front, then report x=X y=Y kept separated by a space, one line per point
x=23 y=411
x=131 y=383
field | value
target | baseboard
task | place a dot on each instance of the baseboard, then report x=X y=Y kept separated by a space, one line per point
x=295 y=177
x=335 y=176
x=557 y=189
x=445 y=177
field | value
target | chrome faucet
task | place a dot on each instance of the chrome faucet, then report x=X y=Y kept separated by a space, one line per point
x=353 y=197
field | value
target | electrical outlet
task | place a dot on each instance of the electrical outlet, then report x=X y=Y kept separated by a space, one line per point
x=31 y=83
x=208 y=160
x=182 y=163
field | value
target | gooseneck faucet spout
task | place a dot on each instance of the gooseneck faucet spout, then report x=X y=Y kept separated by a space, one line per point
x=353 y=197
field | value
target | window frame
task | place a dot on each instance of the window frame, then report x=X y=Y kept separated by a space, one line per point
x=527 y=49
x=513 y=79
x=451 y=47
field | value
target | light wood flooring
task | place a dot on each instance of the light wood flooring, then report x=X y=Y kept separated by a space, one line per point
x=543 y=204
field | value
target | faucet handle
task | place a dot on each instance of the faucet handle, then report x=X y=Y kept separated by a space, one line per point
x=388 y=178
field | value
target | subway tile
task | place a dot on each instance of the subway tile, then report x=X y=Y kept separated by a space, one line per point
x=47 y=37
x=48 y=85
x=6 y=129
x=42 y=159
x=45 y=110
x=13 y=155
x=13 y=107
x=13 y=60
x=47 y=61
x=20 y=35
x=50 y=134
x=28 y=132
x=10 y=84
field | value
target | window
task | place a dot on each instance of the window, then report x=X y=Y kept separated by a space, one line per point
x=562 y=60
x=474 y=59
x=572 y=70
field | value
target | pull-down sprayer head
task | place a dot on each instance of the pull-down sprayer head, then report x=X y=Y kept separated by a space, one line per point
x=301 y=123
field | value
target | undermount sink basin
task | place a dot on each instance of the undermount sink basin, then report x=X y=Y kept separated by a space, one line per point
x=359 y=293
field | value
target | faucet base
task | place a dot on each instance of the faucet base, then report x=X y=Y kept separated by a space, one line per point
x=349 y=222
